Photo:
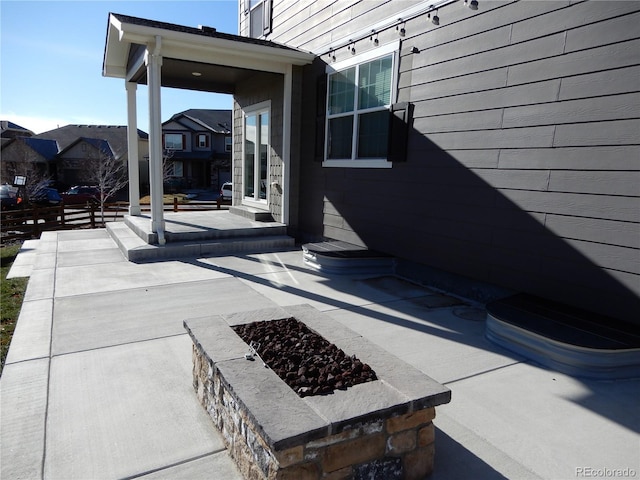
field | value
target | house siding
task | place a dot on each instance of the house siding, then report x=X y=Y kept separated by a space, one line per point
x=522 y=169
x=260 y=88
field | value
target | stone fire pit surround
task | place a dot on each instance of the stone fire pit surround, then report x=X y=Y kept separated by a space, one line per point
x=379 y=429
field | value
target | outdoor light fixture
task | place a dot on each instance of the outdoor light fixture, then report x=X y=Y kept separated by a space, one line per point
x=374 y=37
x=473 y=4
x=196 y=74
x=436 y=19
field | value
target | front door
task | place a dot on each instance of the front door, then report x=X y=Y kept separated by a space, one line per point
x=256 y=155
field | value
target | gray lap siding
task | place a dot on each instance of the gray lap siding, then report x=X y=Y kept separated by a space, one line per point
x=524 y=155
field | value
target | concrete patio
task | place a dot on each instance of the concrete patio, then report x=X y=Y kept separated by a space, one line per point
x=98 y=378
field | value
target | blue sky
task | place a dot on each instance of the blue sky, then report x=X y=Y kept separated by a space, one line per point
x=51 y=61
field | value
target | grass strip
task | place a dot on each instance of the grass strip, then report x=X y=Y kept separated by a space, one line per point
x=11 y=296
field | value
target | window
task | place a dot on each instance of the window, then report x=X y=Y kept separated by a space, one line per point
x=174 y=168
x=256 y=153
x=173 y=141
x=203 y=140
x=360 y=93
x=228 y=144
x=259 y=12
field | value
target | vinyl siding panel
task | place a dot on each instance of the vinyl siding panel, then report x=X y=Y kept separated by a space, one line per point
x=523 y=166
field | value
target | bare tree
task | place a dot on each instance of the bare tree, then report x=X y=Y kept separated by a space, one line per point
x=110 y=175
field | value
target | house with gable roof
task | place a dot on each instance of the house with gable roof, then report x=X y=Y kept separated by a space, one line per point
x=28 y=156
x=65 y=154
x=9 y=130
x=197 y=149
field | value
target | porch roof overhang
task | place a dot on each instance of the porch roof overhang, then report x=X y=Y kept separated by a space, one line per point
x=219 y=60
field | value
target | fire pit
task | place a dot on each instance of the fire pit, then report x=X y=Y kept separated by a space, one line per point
x=379 y=428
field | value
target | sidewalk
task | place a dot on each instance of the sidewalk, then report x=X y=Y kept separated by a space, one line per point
x=98 y=378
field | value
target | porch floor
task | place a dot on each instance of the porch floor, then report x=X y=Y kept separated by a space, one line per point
x=212 y=232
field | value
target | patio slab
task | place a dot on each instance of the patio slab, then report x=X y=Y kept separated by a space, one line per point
x=134 y=401
x=116 y=324
x=551 y=423
x=23 y=409
x=144 y=313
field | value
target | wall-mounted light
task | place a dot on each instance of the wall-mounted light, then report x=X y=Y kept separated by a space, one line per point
x=196 y=74
x=435 y=19
x=400 y=29
x=473 y=4
x=415 y=50
x=374 y=37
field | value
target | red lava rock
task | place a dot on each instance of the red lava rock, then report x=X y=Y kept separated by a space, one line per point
x=307 y=362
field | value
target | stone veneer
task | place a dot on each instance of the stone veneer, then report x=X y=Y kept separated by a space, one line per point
x=379 y=429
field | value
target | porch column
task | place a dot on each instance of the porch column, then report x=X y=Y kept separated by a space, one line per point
x=132 y=147
x=153 y=61
x=286 y=142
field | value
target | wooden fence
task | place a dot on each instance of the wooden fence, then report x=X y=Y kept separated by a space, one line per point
x=26 y=223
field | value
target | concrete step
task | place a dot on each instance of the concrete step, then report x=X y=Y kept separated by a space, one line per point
x=135 y=249
x=345 y=258
x=251 y=213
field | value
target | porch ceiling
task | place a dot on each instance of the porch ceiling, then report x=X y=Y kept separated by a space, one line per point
x=221 y=60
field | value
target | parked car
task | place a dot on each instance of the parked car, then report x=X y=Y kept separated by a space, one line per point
x=226 y=192
x=81 y=194
x=9 y=197
x=47 y=197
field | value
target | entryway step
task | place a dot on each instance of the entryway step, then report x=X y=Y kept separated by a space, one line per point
x=565 y=338
x=251 y=213
x=137 y=250
x=345 y=258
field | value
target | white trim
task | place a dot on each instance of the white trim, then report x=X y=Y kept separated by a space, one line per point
x=392 y=48
x=286 y=144
x=193 y=47
x=381 y=51
x=364 y=163
x=257 y=109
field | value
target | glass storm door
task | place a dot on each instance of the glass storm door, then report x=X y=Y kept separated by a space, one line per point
x=256 y=155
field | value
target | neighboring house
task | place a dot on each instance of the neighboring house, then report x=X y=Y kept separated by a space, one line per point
x=68 y=152
x=77 y=159
x=197 y=149
x=31 y=157
x=488 y=146
x=9 y=130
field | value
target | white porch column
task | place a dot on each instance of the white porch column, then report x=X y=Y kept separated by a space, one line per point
x=132 y=147
x=153 y=60
x=286 y=143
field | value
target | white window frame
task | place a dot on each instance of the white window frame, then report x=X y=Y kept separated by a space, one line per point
x=379 y=52
x=259 y=12
x=202 y=140
x=256 y=109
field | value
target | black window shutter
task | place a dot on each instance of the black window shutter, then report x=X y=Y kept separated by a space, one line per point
x=267 y=16
x=400 y=115
x=321 y=111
